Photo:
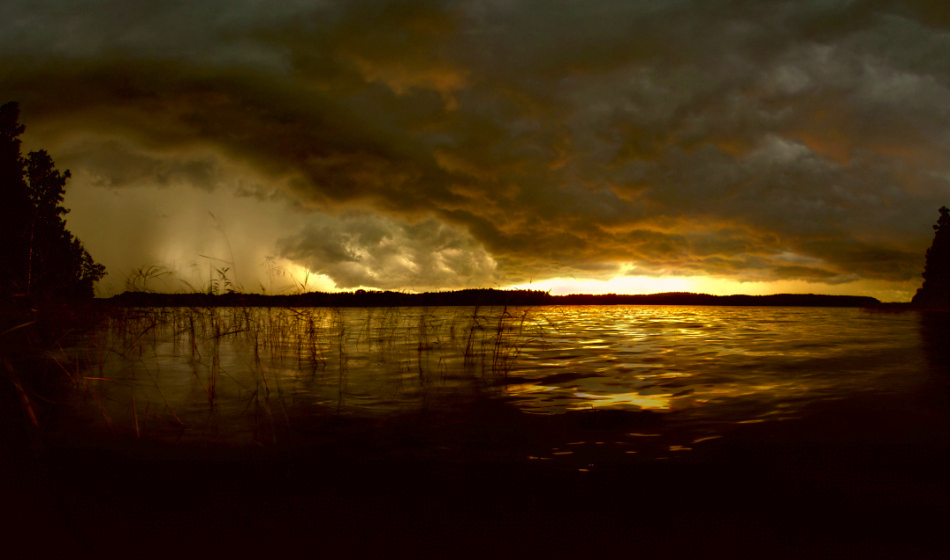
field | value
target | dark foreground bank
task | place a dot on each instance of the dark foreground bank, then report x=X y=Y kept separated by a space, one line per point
x=838 y=485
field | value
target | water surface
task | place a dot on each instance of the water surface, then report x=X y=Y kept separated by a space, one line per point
x=572 y=384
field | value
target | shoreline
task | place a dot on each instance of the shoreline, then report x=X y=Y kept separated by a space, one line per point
x=479 y=297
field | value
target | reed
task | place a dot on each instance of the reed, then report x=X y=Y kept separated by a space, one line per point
x=273 y=360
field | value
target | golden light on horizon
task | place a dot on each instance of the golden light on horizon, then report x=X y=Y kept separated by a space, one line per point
x=617 y=285
x=298 y=278
x=884 y=291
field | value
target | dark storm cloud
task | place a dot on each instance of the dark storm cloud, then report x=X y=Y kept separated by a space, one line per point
x=367 y=250
x=768 y=140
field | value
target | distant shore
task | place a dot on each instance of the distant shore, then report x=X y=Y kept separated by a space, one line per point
x=485 y=297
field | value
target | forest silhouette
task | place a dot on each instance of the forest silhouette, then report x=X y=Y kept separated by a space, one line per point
x=39 y=257
x=935 y=291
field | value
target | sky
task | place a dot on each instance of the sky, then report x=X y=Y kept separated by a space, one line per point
x=574 y=146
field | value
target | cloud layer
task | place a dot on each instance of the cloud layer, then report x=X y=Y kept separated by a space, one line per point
x=424 y=145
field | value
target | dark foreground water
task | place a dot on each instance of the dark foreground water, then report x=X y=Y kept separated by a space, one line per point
x=706 y=431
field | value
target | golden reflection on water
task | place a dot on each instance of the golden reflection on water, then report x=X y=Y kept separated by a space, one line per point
x=238 y=374
x=649 y=402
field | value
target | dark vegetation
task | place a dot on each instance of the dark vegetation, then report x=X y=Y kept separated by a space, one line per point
x=935 y=291
x=39 y=257
x=484 y=297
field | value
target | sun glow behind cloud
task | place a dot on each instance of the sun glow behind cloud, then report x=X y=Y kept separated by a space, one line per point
x=287 y=277
x=618 y=285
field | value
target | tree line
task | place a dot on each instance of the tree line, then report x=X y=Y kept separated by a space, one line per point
x=39 y=257
x=935 y=292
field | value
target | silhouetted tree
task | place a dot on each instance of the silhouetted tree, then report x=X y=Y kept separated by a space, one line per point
x=38 y=255
x=935 y=291
x=14 y=202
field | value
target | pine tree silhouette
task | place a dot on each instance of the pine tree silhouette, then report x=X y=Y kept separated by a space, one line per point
x=38 y=255
x=15 y=206
x=935 y=291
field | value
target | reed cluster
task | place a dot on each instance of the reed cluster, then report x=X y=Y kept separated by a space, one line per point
x=251 y=375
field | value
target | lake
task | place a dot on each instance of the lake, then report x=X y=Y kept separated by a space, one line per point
x=663 y=431
x=575 y=386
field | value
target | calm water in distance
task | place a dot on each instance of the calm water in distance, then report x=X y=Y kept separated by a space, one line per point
x=235 y=376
